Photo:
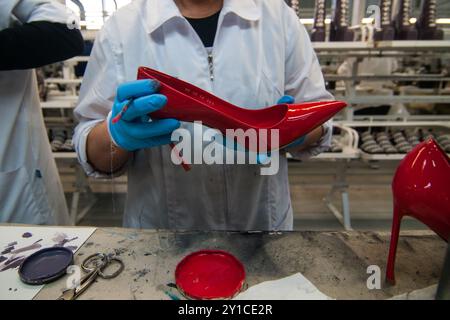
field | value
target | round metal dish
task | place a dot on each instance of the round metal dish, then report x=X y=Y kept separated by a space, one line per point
x=45 y=265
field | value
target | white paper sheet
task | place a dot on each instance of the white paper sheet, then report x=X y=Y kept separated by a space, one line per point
x=17 y=243
x=295 y=287
x=428 y=293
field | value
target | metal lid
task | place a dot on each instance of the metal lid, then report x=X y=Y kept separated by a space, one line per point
x=45 y=265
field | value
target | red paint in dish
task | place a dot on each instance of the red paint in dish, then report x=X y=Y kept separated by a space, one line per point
x=210 y=274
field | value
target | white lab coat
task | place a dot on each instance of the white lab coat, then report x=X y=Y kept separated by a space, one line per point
x=30 y=188
x=261 y=52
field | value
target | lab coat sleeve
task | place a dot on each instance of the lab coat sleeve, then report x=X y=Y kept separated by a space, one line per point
x=6 y=8
x=26 y=11
x=97 y=95
x=304 y=79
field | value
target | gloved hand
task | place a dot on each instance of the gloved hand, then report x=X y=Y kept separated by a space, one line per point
x=298 y=142
x=134 y=130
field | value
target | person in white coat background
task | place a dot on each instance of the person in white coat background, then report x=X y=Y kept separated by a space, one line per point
x=248 y=52
x=33 y=33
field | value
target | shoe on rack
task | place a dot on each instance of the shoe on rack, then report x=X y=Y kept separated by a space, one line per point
x=67 y=146
x=58 y=137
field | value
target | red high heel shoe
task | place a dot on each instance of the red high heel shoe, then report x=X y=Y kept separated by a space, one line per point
x=421 y=189
x=189 y=103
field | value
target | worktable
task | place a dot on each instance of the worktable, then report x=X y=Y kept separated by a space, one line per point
x=335 y=262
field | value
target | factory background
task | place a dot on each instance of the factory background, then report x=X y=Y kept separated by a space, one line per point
x=398 y=94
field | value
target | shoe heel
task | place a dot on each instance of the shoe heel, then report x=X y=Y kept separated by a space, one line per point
x=390 y=269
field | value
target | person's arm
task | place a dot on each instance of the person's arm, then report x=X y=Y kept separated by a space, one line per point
x=35 y=32
x=304 y=81
x=129 y=130
x=102 y=153
x=103 y=146
x=91 y=139
x=36 y=44
x=311 y=139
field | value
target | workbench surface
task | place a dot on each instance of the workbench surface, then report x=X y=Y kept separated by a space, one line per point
x=335 y=262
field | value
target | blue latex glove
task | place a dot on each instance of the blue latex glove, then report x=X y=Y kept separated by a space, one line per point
x=134 y=130
x=298 y=142
x=286 y=99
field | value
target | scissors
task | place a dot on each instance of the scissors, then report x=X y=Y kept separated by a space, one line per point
x=95 y=266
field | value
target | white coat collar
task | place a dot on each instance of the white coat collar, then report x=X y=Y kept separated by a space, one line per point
x=158 y=12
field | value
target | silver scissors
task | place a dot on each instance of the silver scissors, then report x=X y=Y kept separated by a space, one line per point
x=95 y=265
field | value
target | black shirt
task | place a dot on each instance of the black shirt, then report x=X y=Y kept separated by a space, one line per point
x=206 y=28
x=35 y=44
x=39 y=43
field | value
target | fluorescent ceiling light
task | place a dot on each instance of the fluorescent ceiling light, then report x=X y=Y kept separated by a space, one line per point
x=96 y=12
x=443 y=21
x=307 y=21
x=368 y=20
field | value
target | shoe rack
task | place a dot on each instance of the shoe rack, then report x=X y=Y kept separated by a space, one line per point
x=318 y=33
x=336 y=53
x=405 y=30
x=59 y=96
x=412 y=51
x=387 y=30
x=392 y=135
x=339 y=28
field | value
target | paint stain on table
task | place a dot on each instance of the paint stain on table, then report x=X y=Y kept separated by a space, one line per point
x=61 y=239
x=34 y=246
x=8 y=250
x=12 y=263
x=9 y=258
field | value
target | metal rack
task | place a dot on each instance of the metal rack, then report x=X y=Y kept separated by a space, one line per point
x=400 y=49
x=381 y=47
x=351 y=152
x=360 y=98
x=65 y=103
x=349 y=139
x=393 y=124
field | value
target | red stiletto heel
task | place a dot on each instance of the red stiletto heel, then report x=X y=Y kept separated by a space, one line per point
x=421 y=189
x=395 y=232
x=189 y=103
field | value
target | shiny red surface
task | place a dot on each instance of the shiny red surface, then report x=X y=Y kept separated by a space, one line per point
x=421 y=189
x=210 y=274
x=189 y=103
